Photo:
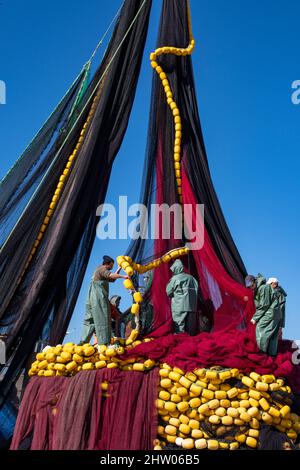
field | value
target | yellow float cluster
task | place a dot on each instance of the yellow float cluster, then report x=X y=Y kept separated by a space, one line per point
x=172 y=103
x=69 y=359
x=205 y=410
x=126 y=263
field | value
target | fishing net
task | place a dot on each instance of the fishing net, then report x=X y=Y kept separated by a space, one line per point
x=52 y=194
x=217 y=265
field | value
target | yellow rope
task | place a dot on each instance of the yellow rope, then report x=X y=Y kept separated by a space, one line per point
x=129 y=266
x=189 y=20
x=77 y=147
x=170 y=100
x=125 y=262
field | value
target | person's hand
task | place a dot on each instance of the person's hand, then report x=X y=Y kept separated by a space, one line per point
x=253 y=321
x=125 y=277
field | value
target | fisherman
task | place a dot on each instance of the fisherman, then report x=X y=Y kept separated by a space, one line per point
x=267 y=315
x=282 y=295
x=98 y=312
x=116 y=316
x=183 y=290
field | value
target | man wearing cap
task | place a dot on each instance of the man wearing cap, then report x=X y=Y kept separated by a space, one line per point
x=267 y=315
x=282 y=295
x=98 y=313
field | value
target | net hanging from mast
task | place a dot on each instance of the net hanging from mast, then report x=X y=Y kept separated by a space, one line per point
x=50 y=198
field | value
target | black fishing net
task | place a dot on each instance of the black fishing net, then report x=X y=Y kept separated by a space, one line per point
x=271 y=439
x=159 y=186
x=159 y=176
x=22 y=180
x=49 y=287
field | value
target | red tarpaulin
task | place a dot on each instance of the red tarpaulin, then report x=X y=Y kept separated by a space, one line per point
x=61 y=413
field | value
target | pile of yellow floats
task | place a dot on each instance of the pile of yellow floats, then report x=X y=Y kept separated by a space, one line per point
x=70 y=359
x=212 y=409
x=202 y=409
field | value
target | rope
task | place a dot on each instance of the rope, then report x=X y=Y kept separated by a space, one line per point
x=76 y=121
x=106 y=32
x=125 y=261
x=129 y=266
x=62 y=180
x=189 y=19
x=63 y=177
x=88 y=64
x=83 y=87
x=33 y=139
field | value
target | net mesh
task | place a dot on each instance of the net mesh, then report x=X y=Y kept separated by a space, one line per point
x=218 y=265
x=48 y=288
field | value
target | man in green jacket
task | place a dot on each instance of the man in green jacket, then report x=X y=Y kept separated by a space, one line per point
x=98 y=312
x=267 y=315
x=183 y=290
x=282 y=295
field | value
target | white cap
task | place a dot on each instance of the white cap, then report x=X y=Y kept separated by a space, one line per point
x=272 y=279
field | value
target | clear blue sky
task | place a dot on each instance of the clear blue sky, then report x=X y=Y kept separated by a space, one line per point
x=245 y=61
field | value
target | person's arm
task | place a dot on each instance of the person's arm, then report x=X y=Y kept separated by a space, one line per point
x=170 y=288
x=116 y=275
x=111 y=277
x=264 y=303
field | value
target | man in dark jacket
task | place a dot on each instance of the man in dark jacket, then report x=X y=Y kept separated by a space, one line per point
x=267 y=315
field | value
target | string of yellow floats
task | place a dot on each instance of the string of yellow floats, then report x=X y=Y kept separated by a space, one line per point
x=125 y=262
x=170 y=99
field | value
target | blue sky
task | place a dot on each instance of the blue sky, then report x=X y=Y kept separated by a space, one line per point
x=245 y=61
